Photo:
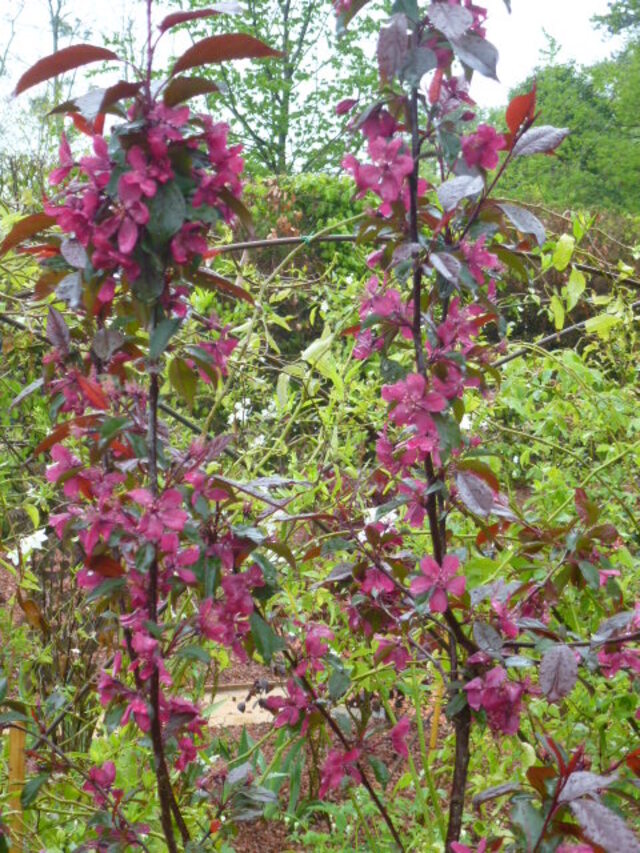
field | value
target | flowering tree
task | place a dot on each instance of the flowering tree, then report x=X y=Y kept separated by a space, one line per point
x=157 y=525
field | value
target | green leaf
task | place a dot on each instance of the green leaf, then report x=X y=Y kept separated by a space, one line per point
x=557 y=309
x=4 y=684
x=339 y=682
x=590 y=574
x=162 y=334
x=183 y=379
x=266 y=640
x=380 y=770
x=12 y=717
x=167 y=212
x=602 y=325
x=31 y=789
x=106 y=589
x=575 y=288
x=563 y=252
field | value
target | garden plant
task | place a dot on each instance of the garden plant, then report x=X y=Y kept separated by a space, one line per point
x=430 y=549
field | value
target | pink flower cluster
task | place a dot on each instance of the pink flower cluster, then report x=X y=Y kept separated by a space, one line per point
x=106 y=207
x=500 y=698
x=481 y=148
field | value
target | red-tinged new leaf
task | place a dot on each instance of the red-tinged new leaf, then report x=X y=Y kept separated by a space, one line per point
x=63 y=431
x=537 y=777
x=633 y=761
x=57 y=330
x=183 y=17
x=63 y=60
x=180 y=89
x=24 y=229
x=212 y=281
x=223 y=48
x=522 y=108
x=105 y=566
x=93 y=392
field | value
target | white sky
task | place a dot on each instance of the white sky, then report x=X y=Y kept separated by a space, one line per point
x=519 y=38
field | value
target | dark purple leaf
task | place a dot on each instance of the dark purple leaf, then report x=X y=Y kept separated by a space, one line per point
x=475 y=493
x=70 y=290
x=478 y=53
x=487 y=638
x=612 y=626
x=497 y=790
x=540 y=140
x=392 y=48
x=604 y=827
x=447 y=265
x=583 y=782
x=106 y=342
x=558 y=672
x=452 y=21
x=454 y=190
x=74 y=253
x=524 y=221
x=27 y=392
x=57 y=330
x=418 y=62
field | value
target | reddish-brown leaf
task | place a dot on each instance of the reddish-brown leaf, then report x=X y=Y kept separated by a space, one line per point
x=180 y=89
x=93 y=392
x=47 y=284
x=211 y=281
x=106 y=566
x=24 y=229
x=61 y=61
x=63 y=431
x=521 y=109
x=633 y=761
x=182 y=17
x=537 y=777
x=222 y=48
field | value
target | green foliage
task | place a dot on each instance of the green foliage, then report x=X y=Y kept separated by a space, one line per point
x=598 y=166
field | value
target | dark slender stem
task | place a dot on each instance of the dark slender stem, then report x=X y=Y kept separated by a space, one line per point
x=462 y=728
x=168 y=803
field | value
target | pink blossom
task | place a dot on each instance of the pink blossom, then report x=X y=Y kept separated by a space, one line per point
x=377 y=583
x=100 y=783
x=620 y=658
x=462 y=848
x=414 y=403
x=290 y=708
x=386 y=175
x=66 y=162
x=188 y=242
x=399 y=734
x=392 y=651
x=439 y=580
x=339 y=765
x=500 y=698
x=316 y=641
x=188 y=753
x=479 y=259
x=481 y=148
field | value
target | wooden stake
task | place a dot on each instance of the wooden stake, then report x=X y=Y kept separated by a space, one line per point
x=16 y=784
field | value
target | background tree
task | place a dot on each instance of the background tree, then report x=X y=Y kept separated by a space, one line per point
x=285 y=113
